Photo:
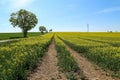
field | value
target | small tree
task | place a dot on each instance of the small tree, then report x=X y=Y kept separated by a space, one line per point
x=46 y=31
x=42 y=29
x=24 y=19
x=50 y=30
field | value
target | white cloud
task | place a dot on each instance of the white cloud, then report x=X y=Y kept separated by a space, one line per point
x=109 y=10
x=14 y=5
x=20 y=3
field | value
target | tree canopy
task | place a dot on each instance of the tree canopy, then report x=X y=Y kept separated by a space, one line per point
x=24 y=19
x=50 y=30
x=42 y=29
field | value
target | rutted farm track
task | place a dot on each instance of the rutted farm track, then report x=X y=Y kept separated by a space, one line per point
x=68 y=57
x=48 y=69
x=90 y=70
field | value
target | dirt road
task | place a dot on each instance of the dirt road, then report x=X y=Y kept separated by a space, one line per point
x=48 y=69
x=90 y=70
x=9 y=40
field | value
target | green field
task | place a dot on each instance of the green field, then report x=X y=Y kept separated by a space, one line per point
x=4 y=36
x=101 y=48
x=17 y=58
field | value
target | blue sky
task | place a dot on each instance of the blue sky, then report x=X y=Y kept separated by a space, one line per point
x=65 y=15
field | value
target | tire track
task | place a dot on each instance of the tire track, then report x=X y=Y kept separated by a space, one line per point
x=48 y=69
x=90 y=70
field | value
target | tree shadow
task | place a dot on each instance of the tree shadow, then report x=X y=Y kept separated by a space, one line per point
x=15 y=37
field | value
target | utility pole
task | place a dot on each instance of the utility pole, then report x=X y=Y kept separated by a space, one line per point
x=87 y=27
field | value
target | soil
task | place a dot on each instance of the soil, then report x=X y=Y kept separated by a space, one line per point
x=90 y=70
x=48 y=69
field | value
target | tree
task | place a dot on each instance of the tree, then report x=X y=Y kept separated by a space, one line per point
x=50 y=30
x=42 y=29
x=24 y=19
x=46 y=31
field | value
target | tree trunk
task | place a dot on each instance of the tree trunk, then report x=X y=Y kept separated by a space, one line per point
x=42 y=32
x=25 y=34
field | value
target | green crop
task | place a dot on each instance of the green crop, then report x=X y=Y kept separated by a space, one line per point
x=18 y=58
x=101 y=48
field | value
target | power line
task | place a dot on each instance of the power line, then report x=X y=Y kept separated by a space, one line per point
x=87 y=27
